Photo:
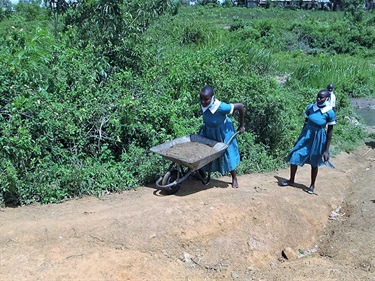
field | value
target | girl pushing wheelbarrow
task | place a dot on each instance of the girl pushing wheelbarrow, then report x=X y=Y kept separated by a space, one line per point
x=220 y=149
x=219 y=127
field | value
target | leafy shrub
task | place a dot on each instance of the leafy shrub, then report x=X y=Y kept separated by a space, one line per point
x=237 y=24
x=192 y=34
x=80 y=110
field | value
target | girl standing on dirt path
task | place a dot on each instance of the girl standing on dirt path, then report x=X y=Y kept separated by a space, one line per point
x=312 y=146
x=219 y=127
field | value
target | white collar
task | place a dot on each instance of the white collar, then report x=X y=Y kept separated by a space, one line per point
x=322 y=109
x=213 y=108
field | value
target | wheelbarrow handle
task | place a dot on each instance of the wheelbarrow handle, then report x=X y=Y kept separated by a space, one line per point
x=232 y=137
x=230 y=140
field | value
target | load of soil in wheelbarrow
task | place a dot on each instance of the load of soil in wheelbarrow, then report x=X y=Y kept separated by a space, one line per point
x=189 y=152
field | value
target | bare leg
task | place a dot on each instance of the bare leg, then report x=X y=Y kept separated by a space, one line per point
x=314 y=174
x=293 y=171
x=234 y=179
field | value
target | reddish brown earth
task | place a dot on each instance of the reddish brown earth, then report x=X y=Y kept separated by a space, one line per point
x=260 y=231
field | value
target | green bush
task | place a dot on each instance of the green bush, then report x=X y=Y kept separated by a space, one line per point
x=81 y=105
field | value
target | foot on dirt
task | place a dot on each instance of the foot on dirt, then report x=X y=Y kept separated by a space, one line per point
x=286 y=183
x=310 y=190
x=234 y=184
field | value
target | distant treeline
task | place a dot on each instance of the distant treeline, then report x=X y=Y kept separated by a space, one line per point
x=336 y=5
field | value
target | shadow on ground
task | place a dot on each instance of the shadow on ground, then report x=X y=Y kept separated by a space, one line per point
x=191 y=186
x=295 y=185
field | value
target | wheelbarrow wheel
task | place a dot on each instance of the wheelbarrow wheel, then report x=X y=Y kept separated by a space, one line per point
x=168 y=178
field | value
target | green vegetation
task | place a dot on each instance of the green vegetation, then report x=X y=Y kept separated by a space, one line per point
x=86 y=90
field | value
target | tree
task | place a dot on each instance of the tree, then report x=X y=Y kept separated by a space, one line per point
x=113 y=26
x=5 y=8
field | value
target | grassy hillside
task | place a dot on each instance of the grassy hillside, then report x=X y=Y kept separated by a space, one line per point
x=85 y=95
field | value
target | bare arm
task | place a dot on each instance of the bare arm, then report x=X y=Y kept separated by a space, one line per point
x=304 y=124
x=240 y=108
x=329 y=138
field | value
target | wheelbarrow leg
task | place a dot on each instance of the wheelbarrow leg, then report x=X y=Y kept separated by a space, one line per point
x=205 y=177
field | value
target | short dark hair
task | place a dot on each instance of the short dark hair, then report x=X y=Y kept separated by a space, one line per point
x=208 y=90
x=325 y=92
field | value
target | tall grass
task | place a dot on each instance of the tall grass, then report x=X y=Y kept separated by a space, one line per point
x=353 y=76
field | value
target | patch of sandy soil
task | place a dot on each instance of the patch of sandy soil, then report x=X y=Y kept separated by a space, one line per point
x=260 y=231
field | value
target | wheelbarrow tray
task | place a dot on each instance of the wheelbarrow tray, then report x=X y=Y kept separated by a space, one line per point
x=218 y=147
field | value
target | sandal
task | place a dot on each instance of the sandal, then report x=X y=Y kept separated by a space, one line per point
x=286 y=183
x=310 y=190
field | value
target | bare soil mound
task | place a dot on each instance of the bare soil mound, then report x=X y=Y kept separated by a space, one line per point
x=260 y=231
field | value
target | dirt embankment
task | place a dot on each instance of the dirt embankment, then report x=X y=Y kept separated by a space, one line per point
x=260 y=231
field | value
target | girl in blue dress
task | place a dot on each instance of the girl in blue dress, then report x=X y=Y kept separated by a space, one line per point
x=219 y=127
x=312 y=146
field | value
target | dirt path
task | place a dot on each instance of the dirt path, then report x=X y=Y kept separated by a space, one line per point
x=209 y=232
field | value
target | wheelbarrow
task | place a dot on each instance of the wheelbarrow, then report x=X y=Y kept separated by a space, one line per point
x=182 y=168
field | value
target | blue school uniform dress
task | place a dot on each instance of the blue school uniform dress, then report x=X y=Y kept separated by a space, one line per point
x=312 y=141
x=219 y=127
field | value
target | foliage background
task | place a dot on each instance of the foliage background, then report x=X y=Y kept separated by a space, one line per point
x=87 y=89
